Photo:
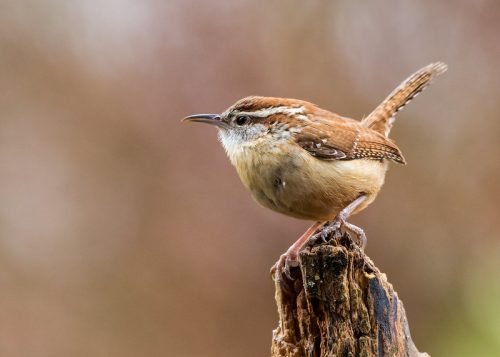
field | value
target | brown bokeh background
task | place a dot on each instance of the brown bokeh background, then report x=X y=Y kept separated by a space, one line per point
x=124 y=233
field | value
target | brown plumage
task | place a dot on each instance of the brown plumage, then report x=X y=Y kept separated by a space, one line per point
x=346 y=140
x=306 y=162
x=382 y=117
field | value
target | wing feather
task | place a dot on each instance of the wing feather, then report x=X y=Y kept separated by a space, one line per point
x=331 y=137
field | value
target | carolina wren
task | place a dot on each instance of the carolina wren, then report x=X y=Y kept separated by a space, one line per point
x=306 y=162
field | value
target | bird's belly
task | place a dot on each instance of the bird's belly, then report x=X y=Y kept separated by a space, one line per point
x=305 y=187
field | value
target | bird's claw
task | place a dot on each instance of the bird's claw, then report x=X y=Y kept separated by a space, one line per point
x=324 y=235
x=334 y=227
x=331 y=228
x=283 y=265
x=360 y=234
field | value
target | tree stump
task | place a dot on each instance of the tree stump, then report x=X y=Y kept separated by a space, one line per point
x=339 y=305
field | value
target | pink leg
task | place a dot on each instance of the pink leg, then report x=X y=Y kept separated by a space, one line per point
x=341 y=220
x=290 y=258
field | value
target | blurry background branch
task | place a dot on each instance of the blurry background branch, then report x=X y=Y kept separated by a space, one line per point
x=340 y=305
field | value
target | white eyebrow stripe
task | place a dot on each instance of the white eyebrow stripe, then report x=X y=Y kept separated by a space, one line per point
x=262 y=113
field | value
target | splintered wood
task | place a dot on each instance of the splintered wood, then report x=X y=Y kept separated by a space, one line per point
x=340 y=305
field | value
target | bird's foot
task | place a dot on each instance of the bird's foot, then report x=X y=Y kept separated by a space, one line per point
x=329 y=228
x=281 y=269
x=359 y=233
x=281 y=272
x=340 y=222
x=322 y=236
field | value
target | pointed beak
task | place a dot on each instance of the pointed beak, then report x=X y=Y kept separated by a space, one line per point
x=213 y=119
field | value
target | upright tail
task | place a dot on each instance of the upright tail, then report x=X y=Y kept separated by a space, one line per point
x=383 y=116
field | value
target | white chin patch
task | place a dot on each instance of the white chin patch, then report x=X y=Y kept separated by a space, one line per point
x=236 y=141
x=232 y=143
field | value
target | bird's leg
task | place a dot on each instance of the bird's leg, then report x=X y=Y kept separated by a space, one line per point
x=290 y=257
x=359 y=232
x=340 y=220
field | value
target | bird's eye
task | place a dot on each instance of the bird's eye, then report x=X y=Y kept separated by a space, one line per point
x=242 y=119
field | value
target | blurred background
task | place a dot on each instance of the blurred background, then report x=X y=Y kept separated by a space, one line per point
x=124 y=233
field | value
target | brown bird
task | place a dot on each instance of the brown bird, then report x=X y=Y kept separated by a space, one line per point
x=306 y=162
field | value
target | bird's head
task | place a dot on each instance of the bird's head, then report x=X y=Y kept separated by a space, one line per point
x=255 y=119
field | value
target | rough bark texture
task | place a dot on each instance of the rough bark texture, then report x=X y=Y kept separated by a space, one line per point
x=340 y=305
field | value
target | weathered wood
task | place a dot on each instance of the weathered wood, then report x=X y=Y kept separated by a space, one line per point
x=340 y=305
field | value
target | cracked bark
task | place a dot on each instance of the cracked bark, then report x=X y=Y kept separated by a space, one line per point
x=340 y=305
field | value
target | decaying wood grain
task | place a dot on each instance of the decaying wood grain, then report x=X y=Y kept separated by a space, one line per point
x=340 y=305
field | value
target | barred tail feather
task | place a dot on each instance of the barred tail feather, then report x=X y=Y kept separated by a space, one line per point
x=382 y=117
